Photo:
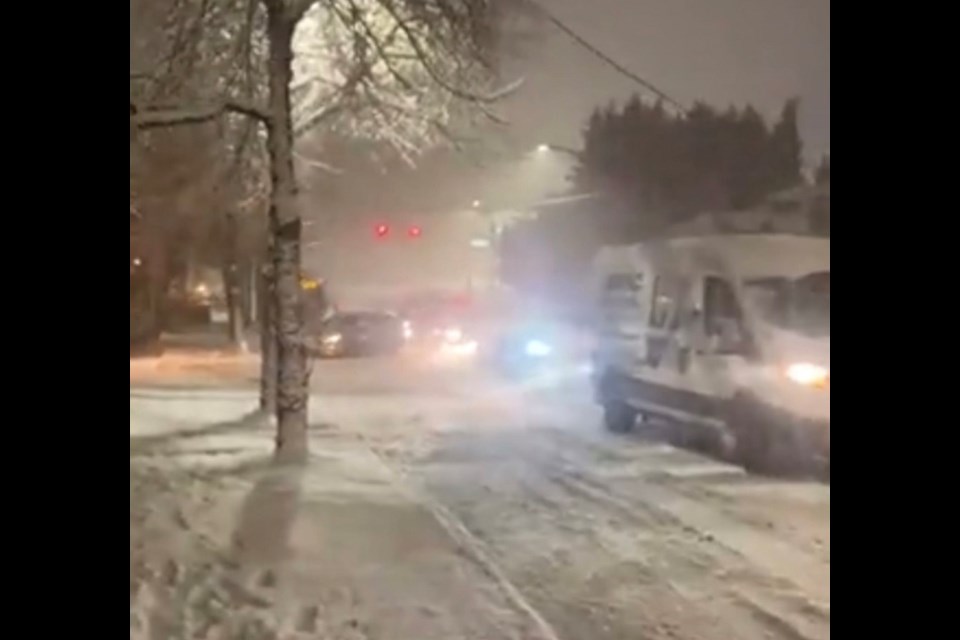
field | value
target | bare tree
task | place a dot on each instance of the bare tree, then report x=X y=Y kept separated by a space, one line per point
x=202 y=53
x=388 y=70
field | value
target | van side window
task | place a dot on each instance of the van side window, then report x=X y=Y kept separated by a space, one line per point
x=721 y=310
x=621 y=290
x=664 y=301
x=624 y=283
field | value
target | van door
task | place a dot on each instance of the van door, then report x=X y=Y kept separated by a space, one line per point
x=663 y=322
x=665 y=374
x=621 y=321
x=664 y=377
x=722 y=343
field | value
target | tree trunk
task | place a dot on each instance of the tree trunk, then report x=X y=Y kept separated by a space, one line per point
x=234 y=299
x=268 y=342
x=248 y=279
x=285 y=231
x=231 y=286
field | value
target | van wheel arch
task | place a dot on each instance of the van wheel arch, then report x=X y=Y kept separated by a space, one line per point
x=619 y=417
x=753 y=440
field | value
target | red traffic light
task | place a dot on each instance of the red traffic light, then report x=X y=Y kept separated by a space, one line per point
x=382 y=230
x=414 y=232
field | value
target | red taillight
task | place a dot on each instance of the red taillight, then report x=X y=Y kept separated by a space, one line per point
x=382 y=230
x=415 y=232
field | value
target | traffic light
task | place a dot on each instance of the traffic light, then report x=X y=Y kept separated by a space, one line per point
x=415 y=232
x=382 y=230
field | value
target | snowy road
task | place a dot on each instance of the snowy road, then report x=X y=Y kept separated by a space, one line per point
x=591 y=536
x=607 y=537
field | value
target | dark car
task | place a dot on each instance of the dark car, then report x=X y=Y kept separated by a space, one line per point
x=360 y=333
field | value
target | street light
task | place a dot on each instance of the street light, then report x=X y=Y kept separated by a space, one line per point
x=557 y=148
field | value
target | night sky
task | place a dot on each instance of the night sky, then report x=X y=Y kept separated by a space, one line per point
x=721 y=51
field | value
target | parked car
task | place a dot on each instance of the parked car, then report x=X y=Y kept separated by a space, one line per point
x=358 y=334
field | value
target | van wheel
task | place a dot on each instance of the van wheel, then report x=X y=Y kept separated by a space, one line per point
x=699 y=439
x=753 y=448
x=619 y=417
x=753 y=440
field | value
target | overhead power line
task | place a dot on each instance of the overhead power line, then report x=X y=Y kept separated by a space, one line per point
x=622 y=70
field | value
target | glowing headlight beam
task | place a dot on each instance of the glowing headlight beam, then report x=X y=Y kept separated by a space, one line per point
x=809 y=375
x=463 y=349
x=537 y=348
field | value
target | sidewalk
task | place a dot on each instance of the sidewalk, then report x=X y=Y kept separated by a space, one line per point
x=213 y=338
x=225 y=546
x=200 y=359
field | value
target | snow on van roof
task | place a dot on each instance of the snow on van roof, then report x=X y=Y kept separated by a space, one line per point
x=746 y=256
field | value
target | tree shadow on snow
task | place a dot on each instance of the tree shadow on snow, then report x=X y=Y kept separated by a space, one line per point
x=262 y=534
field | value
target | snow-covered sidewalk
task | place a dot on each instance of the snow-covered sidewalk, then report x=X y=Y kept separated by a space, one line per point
x=224 y=545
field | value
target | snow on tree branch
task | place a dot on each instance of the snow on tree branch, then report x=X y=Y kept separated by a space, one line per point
x=200 y=63
x=158 y=117
x=407 y=74
x=399 y=72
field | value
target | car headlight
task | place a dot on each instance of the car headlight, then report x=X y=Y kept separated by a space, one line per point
x=453 y=335
x=809 y=375
x=332 y=339
x=537 y=348
x=467 y=348
x=200 y=294
x=407 y=330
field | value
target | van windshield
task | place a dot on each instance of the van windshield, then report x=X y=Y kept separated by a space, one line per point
x=801 y=305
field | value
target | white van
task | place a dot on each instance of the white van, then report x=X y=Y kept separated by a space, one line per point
x=727 y=332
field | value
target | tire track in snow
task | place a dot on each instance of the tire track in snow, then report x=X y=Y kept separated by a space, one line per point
x=693 y=511
x=641 y=548
x=470 y=543
x=796 y=601
x=773 y=602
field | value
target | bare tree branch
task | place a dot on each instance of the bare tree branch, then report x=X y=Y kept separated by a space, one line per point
x=420 y=50
x=157 y=117
x=318 y=164
x=318 y=118
x=378 y=45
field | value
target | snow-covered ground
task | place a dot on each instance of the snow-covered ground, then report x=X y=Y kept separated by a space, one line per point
x=445 y=503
